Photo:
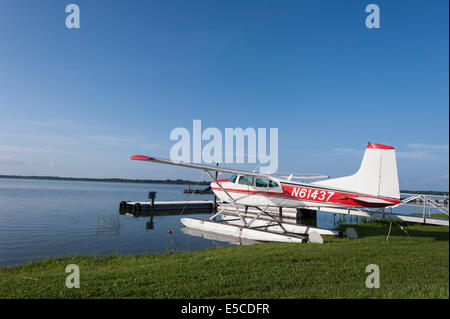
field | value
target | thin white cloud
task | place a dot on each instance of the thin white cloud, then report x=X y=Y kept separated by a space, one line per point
x=11 y=161
x=444 y=177
x=155 y=145
x=430 y=147
x=418 y=155
x=112 y=140
x=424 y=152
x=347 y=151
x=32 y=149
x=56 y=123
x=47 y=138
x=20 y=149
x=122 y=141
x=412 y=152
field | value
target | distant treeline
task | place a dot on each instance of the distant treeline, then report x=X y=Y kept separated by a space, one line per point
x=110 y=180
x=425 y=192
x=157 y=181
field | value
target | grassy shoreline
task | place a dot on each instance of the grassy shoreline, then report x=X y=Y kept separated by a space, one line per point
x=336 y=269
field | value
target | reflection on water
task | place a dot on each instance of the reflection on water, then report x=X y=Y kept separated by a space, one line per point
x=341 y=219
x=108 y=225
x=217 y=237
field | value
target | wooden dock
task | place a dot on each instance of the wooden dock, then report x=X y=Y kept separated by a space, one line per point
x=162 y=208
x=306 y=217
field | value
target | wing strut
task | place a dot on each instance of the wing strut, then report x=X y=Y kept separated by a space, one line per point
x=228 y=194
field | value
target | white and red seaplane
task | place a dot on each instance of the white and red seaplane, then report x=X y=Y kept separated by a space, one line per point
x=374 y=185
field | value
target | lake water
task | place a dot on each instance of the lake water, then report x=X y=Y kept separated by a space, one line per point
x=40 y=219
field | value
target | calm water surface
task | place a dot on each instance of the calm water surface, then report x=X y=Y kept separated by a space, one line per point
x=40 y=219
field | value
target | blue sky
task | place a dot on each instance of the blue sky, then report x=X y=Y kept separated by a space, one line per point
x=79 y=102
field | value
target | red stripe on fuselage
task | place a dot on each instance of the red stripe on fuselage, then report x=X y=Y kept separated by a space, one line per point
x=333 y=196
x=318 y=195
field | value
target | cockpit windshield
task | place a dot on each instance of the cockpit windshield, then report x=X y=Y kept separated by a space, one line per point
x=251 y=181
x=273 y=184
x=262 y=182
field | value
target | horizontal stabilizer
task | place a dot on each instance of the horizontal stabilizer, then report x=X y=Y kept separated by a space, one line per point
x=370 y=200
x=302 y=177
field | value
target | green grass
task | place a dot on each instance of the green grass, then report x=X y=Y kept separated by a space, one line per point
x=434 y=215
x=336 y=269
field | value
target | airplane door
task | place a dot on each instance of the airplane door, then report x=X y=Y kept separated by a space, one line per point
x=243 y=186
x=245 y=182
x=267 y=190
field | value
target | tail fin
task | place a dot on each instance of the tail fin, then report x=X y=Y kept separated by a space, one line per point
x=377 y=175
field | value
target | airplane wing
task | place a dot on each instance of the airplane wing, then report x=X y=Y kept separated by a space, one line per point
x=197 y=166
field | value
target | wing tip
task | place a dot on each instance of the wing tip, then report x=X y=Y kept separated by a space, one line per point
x=141 y=158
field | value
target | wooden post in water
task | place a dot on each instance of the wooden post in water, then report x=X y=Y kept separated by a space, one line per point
x=215 y=197
x=151 y=196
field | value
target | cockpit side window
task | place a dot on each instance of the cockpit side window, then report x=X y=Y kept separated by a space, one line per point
x=246 y=180
x=233 y=178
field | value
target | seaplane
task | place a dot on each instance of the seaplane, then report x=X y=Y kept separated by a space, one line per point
x=374 y=185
